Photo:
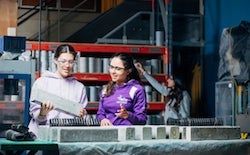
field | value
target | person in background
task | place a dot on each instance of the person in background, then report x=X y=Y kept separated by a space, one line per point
x=123 y=99
x=60 y=83
x=178 y=100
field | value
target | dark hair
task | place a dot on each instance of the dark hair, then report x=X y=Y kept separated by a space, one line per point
x=177 y=93
x=128 y=64
x=65 y=48
x=179 y=83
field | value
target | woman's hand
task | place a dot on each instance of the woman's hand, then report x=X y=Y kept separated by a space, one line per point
x=122 y=113
x=46 y=107
x=140 y=68
x=106 y=122
x=83 y=112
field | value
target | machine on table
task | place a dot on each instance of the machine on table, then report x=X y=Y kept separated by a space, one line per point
x=232 y=88
x=16 y=78
x=232 y=103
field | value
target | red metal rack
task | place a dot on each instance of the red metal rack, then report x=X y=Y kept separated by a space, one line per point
x=100 y=48
x=152 y=106
x=93 y=77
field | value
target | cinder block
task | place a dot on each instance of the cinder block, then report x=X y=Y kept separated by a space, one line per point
x=158 y=131
x=43 y=132
x=126 y=133
x=107 y=133
x=87 y=134
x=172 y=132
x=181 y=130
x=143 y=132
x=53 y=133
x=192 y=133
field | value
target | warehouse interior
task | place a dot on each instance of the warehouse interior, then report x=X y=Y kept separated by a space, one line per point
x=188 y=39
x=196 y=30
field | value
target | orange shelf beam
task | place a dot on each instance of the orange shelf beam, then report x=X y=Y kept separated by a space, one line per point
x=7 y=105
x=106 y=77
x=152 y=106
x=100 y=48
x=98 y=77
x=156 y=106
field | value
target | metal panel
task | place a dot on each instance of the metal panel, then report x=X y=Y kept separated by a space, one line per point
x=18 y=67
x=225 y=101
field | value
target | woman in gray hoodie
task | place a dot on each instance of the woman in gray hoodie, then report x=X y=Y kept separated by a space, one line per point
x=178 y=100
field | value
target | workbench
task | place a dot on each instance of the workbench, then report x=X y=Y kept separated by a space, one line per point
x=138 y=147
x=158 y=147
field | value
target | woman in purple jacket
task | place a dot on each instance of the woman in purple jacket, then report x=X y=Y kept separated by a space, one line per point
x=60 y=83
x=123 y=99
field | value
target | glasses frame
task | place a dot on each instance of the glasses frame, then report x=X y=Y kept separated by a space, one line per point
x=63 y=62
x=116 y=68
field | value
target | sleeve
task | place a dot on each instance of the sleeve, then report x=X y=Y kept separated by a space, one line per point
x=158 y=86
x=34 y=108
x=139 y=115
x=84 y=99
x=185 y=106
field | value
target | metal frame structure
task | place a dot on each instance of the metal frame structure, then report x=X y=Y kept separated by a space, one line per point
x=27 y=78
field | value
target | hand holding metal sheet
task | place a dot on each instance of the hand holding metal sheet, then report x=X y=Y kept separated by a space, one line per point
x=46 y=107
x=39 y=96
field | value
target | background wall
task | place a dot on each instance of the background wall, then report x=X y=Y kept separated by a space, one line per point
x=219 y=14
x=55 y=26
x=8 y=11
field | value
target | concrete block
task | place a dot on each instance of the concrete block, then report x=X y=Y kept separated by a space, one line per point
x=143 y=132
x=126 y=133
x=172 y=132
x=43 y=132
x=158 y=131
x=47 y=133
x=181 y=130
x=53 y=133
x=87 y=134
x=192 y=133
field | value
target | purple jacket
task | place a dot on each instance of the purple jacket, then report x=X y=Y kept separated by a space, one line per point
x=68 y=88
x=132 y=95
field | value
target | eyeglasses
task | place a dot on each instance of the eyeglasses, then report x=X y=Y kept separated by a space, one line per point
x=116 y=68
x=63 y=62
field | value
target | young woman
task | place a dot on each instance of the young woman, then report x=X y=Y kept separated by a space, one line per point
x=60 y=83
x=178 y=100
x=123 y=99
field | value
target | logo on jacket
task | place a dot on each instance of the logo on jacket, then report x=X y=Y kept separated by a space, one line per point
x=121 y=100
